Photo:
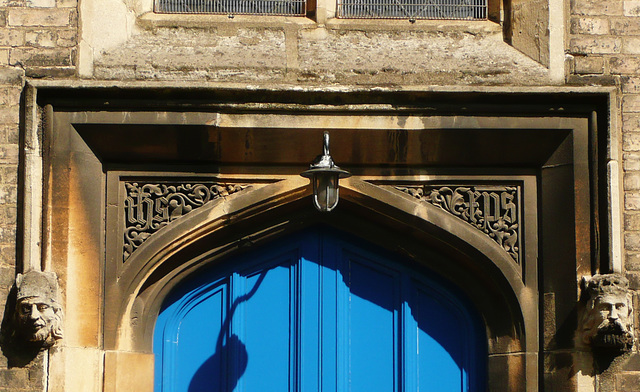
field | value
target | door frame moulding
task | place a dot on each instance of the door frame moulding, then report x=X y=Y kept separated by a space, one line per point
x=278 y=191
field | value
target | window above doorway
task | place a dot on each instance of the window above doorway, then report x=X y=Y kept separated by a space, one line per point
x=346 y=9
x=413 y=9
x=233 y=7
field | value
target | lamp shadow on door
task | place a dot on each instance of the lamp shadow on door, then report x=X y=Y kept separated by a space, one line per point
x=230 y=360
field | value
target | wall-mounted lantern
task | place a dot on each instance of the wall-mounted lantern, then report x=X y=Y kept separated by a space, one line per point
x=324 y=174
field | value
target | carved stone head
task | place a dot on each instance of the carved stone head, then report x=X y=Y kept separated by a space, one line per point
x=38 y=314
x=607 y=322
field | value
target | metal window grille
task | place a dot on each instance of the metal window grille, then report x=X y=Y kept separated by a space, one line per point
x=413 y=9
x=233 y=7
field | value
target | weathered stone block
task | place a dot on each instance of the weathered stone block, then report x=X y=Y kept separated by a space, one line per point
x=11 y=76
x=9 y=214
x=4 y=363
x=624 y=65
x=596 y=45
x=115 y=73
x=9 y=115
x=624 y=26
x=14 y=378
x=40 y=57
x=67 y=38
x=634 y=280
x=76 y=369
x=632 y=221
x=66 y=3
x=50 y=72
x=596 y=7
x=8 y=255
x=632 y=263
x=4 y=57
x=631 y=103
x=9 y=134
x=631 y=45
x=39 y=17
x=41 y=38
x=631 y=363
x=41 y=3
x=631 y=141
x=632 y=201
x=628 y=382
x=128 y=372
x=8 y=174
x=9 y=154
x=14 y=3
x=589 y=25
x=37 y=377
x=8 y=195
x=631 y=85
x=632 y=241
x=9 y=97
x=631 y=122
x=631 y=182
x=631 y=161
x=7 y=235
x=7 y=275
x=11 y=37
x=631 y=8
x=589 y=65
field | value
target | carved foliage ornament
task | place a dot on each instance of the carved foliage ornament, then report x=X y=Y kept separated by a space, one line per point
x=150 y=207
x=495 y=210
x=606 y=322
x=38 y=315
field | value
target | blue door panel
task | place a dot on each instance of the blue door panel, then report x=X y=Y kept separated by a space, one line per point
x=309 y=326
x=189 y=364
x=441 y=341
x=263 y=325
x=372 y=304
x=317 y=313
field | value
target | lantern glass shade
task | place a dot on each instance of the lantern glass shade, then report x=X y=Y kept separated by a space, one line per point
x=325 y=190
x=324 y=174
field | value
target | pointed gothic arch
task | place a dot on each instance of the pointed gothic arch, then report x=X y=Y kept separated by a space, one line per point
x=456 y=251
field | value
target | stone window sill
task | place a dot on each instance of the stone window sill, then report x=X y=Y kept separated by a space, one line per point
x=154 y=20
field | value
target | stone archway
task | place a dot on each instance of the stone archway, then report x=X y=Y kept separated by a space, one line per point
x=508 y=307
x=249 y=156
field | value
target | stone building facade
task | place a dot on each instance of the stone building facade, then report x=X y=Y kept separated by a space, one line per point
x=98 y=97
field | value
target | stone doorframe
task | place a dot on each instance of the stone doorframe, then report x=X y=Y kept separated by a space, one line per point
x=538 y=156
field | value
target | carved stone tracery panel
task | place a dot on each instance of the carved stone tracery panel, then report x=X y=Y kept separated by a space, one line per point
x=493 y=209
x=148 y=207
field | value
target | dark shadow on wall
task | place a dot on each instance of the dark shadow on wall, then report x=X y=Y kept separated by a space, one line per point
x=19 y=353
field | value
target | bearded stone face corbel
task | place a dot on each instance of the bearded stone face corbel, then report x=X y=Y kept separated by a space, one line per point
x=607 y=324
x=38 y=314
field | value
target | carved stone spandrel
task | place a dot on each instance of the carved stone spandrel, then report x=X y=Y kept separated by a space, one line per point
x=606 y=324
x=149 y=207
x=494 y=210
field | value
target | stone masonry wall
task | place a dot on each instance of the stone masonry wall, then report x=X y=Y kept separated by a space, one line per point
x=37 y=39
x=604 y=41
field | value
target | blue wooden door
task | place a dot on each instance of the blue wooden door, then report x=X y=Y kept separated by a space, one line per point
x=317 y=312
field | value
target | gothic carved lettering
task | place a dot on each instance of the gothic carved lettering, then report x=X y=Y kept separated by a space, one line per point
x=495 y=210
x=150 y=207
